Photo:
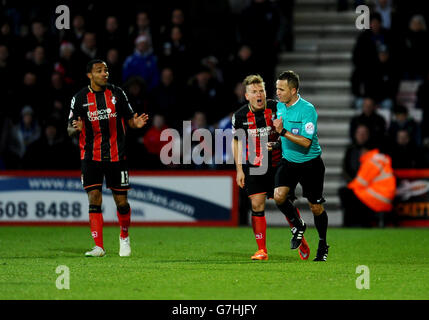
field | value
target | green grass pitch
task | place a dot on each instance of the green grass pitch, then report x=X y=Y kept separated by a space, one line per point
x=191 y=263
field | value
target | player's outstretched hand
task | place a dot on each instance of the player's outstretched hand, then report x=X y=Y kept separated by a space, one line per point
x=140 y=121
x=77 y=124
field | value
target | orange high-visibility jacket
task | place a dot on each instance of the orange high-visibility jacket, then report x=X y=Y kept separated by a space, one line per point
x=375 y=183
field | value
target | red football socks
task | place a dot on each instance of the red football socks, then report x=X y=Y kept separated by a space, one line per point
x=259 y=224
x=96 y=223
x=124 y=223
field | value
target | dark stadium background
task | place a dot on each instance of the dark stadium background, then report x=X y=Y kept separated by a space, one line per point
x=217 y=44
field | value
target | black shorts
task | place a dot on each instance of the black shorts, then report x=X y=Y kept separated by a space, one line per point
x=116 y=173
x=259 y=184
x=310 y=174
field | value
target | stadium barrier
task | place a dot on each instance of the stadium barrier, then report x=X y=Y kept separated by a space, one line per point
x=411 y=204
x=179 y=198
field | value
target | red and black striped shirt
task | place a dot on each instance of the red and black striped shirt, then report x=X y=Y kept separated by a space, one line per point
x=103 y=114
x=255 y=125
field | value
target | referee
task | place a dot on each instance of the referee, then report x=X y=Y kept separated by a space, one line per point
x=301 y=155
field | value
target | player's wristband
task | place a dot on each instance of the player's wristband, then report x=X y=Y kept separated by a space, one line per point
x=283 y=132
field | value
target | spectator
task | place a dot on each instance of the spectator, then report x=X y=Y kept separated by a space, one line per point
x=59 y=96
x=369 y=40
x=114 y=64
x=212 y=63
x=199 y=121
x=242 y=64
x=10 y=144
x=8 y=79
x=143 y=62
x=175 y=54
x=88 y=48
x=30 y=94
x=137 y=95
x=39 y=36
x=369 y=117
x=144 y=27
x=166 y=99
x=136 y=91
x=386 y=80
x=112 y=36
x=384 y=8
x=239 y=98
x=423 y=104
x=366 y=59
x=236 y=100
x=416 y=49
x=39 y=65
x=177 y=20
x=85 y=52
x=152 y=141
x=402 y=121
x=262 y=26
x=227 y=157
x=51 y=152
x=405 y=153
x=28 y=129
x=66 y=64
x=75 y=35
x=10 y=40
x=370 y=192
x=206 y=96
x=351 y=163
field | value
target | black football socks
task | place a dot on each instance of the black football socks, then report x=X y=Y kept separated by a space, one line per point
x=291 y=213
x=321 y=223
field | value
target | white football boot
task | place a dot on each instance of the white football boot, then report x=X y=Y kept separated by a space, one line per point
x=124 y=247
x=95 y=252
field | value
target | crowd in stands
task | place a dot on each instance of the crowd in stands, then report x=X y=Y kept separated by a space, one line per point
x=185 y=60
x=393 y=51
x=176 y=61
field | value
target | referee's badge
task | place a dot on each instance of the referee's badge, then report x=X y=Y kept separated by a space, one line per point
x=295 y=131
x=309 y=127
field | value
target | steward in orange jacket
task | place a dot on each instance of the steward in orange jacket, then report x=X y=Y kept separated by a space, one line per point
x=375 y=184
